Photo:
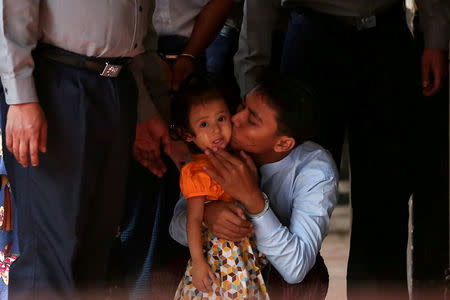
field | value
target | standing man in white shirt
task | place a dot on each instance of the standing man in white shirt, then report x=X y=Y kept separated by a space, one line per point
x=69 y=94
x=184 y=29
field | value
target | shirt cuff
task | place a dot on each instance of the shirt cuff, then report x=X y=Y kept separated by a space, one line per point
x=146 y=109
x=248 y=84
x=266 y=225
x=436 y=35
x=19 y=90
x=145 y=106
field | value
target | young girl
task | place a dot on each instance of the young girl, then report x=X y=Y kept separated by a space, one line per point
x=218 y=269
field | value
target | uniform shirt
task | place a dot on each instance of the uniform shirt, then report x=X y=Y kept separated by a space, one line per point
x=432 y=14
x=176 y=17
x=302 y=190
x=235 y=18
x=255 y=41
x=99 y=28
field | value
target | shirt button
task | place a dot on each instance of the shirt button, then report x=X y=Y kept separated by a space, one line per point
x=140 y=8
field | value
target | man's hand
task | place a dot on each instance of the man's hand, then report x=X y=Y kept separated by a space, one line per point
x=167 y=70
x=238 y=177
x=434 y=71
x=181 y=69
x=227 y=221
x=26 y=132
x=4 y=179
x=150 y=135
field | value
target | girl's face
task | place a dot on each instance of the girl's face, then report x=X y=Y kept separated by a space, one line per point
x=211 y=124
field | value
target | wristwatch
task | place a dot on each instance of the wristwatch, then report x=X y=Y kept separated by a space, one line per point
x=265 y=209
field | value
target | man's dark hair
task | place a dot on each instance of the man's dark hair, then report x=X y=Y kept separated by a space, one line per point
x=294 y=101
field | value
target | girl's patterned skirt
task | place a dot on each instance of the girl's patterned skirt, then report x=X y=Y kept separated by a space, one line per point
x=237 y=269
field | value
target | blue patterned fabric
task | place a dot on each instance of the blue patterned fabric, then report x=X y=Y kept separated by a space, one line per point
x=9 y=242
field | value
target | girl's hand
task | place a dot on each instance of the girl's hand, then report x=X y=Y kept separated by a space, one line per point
x=202 y=277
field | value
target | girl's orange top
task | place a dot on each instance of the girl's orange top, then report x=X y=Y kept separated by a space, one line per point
x=194 y=181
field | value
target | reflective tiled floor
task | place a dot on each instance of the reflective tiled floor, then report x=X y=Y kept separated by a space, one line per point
x=335 y=252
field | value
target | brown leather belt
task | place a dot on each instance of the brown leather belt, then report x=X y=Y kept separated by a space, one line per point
x=106 y=67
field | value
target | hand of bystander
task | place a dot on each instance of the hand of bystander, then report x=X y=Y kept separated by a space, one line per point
x=434 y=71
x=152 y=136
x=26 y=132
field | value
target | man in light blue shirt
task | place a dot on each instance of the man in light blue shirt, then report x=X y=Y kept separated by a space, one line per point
x=298 y=177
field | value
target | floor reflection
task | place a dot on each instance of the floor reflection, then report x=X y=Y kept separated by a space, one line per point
x=165 y=280
x=335 y=252
x=314 y=286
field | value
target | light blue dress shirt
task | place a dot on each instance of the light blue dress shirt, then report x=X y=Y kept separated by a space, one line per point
x=303 y=190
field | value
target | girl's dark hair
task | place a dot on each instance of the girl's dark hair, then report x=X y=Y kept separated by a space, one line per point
x=195 y=91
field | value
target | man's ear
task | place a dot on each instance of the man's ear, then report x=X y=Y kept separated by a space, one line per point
x=284 y=144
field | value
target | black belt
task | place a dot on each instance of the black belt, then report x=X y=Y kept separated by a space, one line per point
x=106 y=67
x=392 y=15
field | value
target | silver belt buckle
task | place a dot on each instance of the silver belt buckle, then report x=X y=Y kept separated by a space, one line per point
x=111 y=70
x=366 y=22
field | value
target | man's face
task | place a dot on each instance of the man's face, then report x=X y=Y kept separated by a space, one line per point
x=254 y=125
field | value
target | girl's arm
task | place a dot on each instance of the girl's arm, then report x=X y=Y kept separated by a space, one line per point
x=201 y=271
x=194 y=228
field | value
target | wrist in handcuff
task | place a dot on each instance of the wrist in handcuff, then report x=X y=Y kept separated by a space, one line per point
x=188 y=55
